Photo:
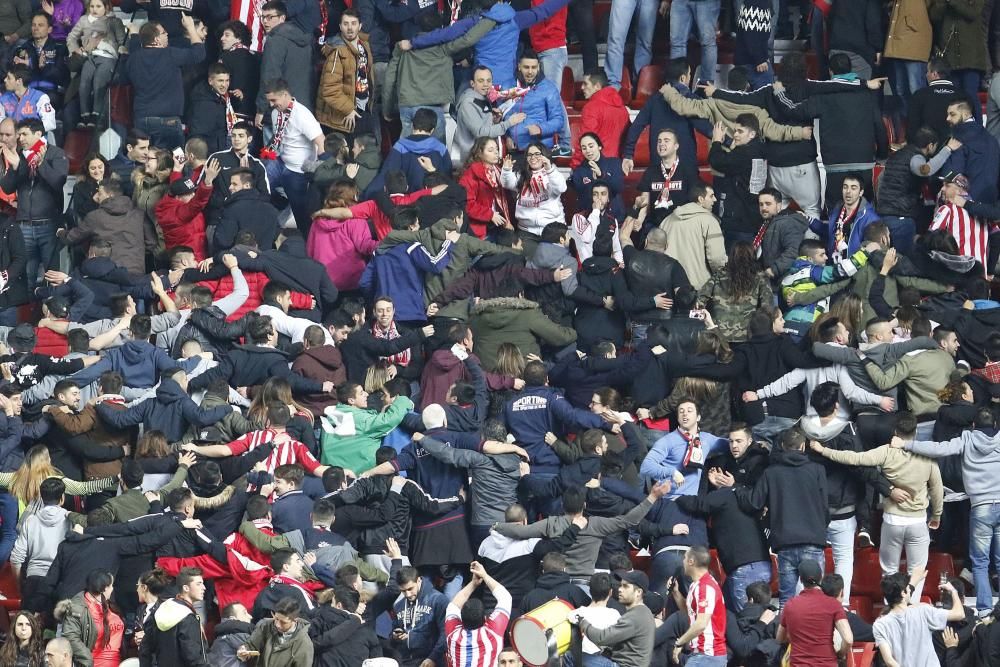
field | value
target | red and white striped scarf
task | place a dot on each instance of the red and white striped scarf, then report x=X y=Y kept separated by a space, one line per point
x=400 y=358
x=668 y=175
x=295 y=583
x=492 y=175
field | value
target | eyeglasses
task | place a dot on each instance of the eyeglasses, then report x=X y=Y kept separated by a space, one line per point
x=531 y=155
x=268 y=17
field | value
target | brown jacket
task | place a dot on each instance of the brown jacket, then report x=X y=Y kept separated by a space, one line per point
x=910 y=33
x=324 y=364
x=335 y=97
x=119 y=222
x=87 y=423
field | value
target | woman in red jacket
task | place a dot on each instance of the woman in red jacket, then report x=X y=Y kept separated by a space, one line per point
x=487 y=200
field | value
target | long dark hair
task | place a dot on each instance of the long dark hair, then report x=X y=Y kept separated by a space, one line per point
x=97 y=582
x=523 y=170
x=36 y=646
x=742 y=269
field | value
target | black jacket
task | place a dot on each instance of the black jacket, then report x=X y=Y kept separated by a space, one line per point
x=206 y=117
x=898 y=187
x=598 y=278
x=929 y=107
x=764 y=360
x=793 y=488
x=244 y=76
x=580 y=378
x=39 y=197
x=552 y=585
x=173 y=637
x=341 y=639
x=229 y=161
x=247 y=210
x=779 y=153
x=252 y=365
x=362 y=349
x=106 y=279
x=209 y=327
x=856 y=26
x=290 y=264
x=13 y=262
x=648 y=273
x=744 y=170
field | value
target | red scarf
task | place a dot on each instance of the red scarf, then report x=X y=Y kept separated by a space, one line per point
x=231 y=118
x=694 y=457
x=400 y=358
x=280 y=125
x=838 y=232
x=668 y=175
x=307 y=594
x=34 y=156
x=759 y=238
x=492 y=175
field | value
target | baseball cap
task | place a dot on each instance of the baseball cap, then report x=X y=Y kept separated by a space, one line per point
x=956 y=177
x=634 y=577
x=810 y=572
x=183 y=186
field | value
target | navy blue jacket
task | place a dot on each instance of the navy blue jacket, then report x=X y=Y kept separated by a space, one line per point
x=155 y=75
x=978 y=159
x=172 y=411
x=291 y=512
x=582 y=180
x=657 y=115
x=403 y=157
x=533 y=412
x=438 y=479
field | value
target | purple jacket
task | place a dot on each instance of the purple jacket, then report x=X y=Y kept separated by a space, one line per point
x=64 y=17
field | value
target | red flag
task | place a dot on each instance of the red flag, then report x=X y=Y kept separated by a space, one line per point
x=248 y=11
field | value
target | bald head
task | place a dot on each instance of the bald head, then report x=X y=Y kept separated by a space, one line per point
x=656 y=240
x=8 y=134
x=59 y=653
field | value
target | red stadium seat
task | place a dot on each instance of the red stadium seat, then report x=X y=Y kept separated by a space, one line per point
x=76 y=145
x=862 y=606
x=705 y=174
x=626 y=91
x=568 y=88
x=651 y=78
x=703 y=145
x=715 y=567
x=121 y=105
x=867 y=574
x=863 y=654
x=641 y=156
x=937 y=563
x=11 y=590
x=640 y=562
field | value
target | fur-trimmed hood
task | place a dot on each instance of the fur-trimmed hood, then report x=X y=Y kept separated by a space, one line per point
x=503 y=304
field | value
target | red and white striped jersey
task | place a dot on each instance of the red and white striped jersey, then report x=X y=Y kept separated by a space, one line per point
x=972 y=235
x=705 y=597
x=287 y=450
x=248 y=11
x=480 y=647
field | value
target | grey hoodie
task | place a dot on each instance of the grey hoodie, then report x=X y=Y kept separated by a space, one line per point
x=38 y=540
x=494 y=479
x=980 y=462
x=552 y=256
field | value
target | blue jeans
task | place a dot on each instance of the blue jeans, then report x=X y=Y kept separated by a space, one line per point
x=665 y=564
x=295 y=185
x=8 y=317
x=788 y=568
x=902 y=231
x=618 y=26
x=39 y=244
x=969 y=79
x=702 y=660
x=907 y=77
x=984 y=540
x=760 y=79
x=406 y=119
x=553 y=61
x=771 y=429
x=735 y=588
x=703 y=14
x=164 y=131
x=840 y=535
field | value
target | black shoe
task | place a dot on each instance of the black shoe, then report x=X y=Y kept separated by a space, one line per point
x=865 y=539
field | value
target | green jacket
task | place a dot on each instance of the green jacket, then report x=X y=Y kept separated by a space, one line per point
x=960 y=33
x=923 y=374
x=131 y=504
x=296 y=651
x=462 y=253
x=732 y=315
x=517 y=321
x=351 y=435
x=78 y=628
x=423 y=77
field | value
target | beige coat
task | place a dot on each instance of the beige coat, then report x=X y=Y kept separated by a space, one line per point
x=335 y=97
x=694 y=239
x=910 y=33
x=718 y=110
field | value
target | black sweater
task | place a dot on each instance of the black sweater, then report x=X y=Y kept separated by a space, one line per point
x=736 y=534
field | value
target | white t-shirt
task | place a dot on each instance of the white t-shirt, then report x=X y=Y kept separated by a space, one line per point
x=599 y=617
x=909 y=634
x=297 y=146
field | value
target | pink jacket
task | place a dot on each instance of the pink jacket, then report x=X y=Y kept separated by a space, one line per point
x=343 y=247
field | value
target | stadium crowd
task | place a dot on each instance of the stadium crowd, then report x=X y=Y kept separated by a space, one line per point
x=382 y=333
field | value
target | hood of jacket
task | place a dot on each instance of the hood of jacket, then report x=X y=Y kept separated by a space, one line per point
x=136 y=352
x=500 y=12
x=232 y=626
x=595 y=266
x=292 y=33
x=511 y=306
x=261 y=349
x=793 y=459
x=97 y=267
x=956 y=263
x=444 y=361
x=607 y=96
x=689 y=211
x=170 y=613
x=52 y=516
x=498 y=261
x=420 y=144
x=791 y=216
x=169 y=391
x=326 y=356
x=251 y=195
x=816 y=430
x=551 y=256
x=552 y=580
x=986 y=445
x=294 y=246
x=118 y=205
x=370 y=158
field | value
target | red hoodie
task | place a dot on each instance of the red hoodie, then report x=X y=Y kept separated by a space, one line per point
x=550 y=33
x=605 y=115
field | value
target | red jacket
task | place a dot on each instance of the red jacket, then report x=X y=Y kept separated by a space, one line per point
x=550 y=33
x=183 y=222
x=605 y=115
x=370 y=210
x=256 y=282
x=481 y=198
x=50 y=343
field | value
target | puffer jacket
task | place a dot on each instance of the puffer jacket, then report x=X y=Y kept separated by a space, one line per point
x=206 y=117
x=78 y=628
x=341 y=639
x=542 y=106
x=335 y=98
x=780 y=245
x=517 y=321
x=605 y=115
x=183 y=223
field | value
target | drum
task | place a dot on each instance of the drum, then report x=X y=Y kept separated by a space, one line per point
x=542 y=633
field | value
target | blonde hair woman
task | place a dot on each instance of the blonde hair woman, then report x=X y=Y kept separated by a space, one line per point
x=25 y=482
